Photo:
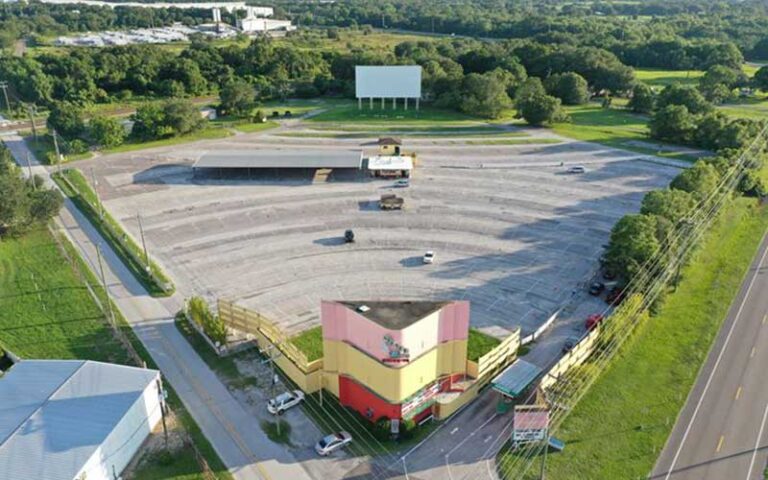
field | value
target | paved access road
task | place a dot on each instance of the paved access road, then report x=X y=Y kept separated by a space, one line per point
x=722 y=433
x=235 y=435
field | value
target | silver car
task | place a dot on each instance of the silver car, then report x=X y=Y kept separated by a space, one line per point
x=284 y=401
x=332 y=442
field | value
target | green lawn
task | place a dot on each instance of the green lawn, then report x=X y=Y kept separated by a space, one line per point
x=614 y=127
x=754 y=107
x=44 y=150
x=347 y=112
x=478 y=344
x=47 y=312
x=310 y=342
x=662 y=78
x=212 y=132
x=76 y=187
x=619 y=427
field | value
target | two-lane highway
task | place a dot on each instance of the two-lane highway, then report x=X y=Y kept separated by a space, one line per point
x=722 y=433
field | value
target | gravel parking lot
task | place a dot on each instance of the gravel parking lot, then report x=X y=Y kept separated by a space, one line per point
x=512 y=232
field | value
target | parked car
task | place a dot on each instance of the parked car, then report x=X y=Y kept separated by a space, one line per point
x=429 y=257
x=332 y=442
x=284 y=401
x=614 y=296
x=609 y=274
x=402 y=183
x=593 y=321
x=576 y=169
x=569 y=343
x=596 y=288
x=349 y=236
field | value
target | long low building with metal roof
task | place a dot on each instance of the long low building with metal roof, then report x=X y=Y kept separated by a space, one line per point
x=74 y=419
x=277 y=158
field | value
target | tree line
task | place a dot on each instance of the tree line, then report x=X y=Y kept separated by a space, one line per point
x=24 y=203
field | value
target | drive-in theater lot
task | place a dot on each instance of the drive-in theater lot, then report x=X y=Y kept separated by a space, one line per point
x=511 y=231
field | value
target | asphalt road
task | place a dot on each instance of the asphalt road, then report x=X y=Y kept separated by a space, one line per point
x=722 y=432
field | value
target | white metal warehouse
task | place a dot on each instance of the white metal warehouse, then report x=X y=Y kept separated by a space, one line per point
x=74 y=419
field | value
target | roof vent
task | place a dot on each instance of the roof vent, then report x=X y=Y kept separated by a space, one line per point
x=363 y=308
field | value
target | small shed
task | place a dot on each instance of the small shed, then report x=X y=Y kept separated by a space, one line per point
x=390 y=166
x=389 y=145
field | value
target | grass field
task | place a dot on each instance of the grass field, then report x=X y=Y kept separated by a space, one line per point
x=347 y=112
x=662 y=78
x=754 y=107
x=209 y=133
x=618 y=428
x=47 y=312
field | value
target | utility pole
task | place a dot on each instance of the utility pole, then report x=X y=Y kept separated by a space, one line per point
x=274 y=383
x=546 y=450
x=111 y=317
x=29 y=169
x=4 y=86
x=161 y=396
x=143 y=243
x=31 y=115
x=56 y=147
x=96 y=192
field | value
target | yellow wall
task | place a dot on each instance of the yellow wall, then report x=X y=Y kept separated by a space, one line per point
x=395 y=383
x=387 y=149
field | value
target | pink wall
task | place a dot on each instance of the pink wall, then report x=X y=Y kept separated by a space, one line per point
x=344 y=324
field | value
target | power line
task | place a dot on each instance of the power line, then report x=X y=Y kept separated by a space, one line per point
x=707 y=210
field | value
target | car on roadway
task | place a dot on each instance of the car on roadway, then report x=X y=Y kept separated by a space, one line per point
x=569 y=343
x=429 y=257
x=614 y=296
x=402 y=183
x=284 y=401
x=593 y=320
x=596 y=288
x=332 y=442
x=576 y=169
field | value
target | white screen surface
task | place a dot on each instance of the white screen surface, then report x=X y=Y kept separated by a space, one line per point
x=388 y=81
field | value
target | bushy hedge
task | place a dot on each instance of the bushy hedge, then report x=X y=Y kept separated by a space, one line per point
x=211 y=324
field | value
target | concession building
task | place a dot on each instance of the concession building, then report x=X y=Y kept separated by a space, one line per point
x=393 y=359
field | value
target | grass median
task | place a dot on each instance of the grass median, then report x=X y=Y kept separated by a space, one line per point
x=77 y=189
x=619 y=427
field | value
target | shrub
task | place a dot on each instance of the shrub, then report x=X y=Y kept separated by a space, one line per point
x=211 y=324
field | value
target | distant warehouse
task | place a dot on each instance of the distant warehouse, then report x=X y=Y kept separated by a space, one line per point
x=74 y=419
x=276 y=158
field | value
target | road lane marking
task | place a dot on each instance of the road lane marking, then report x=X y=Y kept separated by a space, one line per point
x=455 y=429
x=738 y=393
x=714 y=368
x=765 y=318
x=720 y=443
x=757 y=443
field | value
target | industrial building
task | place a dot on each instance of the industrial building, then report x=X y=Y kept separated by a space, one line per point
x=276 y=158
x=74 y=419
x=392 y=360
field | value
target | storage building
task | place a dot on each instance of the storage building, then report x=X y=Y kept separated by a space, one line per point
x=74 y=419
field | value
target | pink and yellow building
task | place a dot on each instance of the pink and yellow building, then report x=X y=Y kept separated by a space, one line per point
x=392 y=359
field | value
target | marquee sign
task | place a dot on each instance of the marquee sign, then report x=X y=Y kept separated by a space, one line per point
x=530 y=423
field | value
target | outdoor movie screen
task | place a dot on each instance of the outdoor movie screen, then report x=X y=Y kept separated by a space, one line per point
x=402 y=81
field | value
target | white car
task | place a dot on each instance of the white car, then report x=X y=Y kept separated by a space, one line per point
x=332 y=442
x=429 y=257
x=284 y=401
x=576 y=169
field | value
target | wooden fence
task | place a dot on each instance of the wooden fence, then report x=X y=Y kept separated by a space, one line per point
x=253 y=323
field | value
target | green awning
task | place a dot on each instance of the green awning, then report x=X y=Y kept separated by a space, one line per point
x=516 y=378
